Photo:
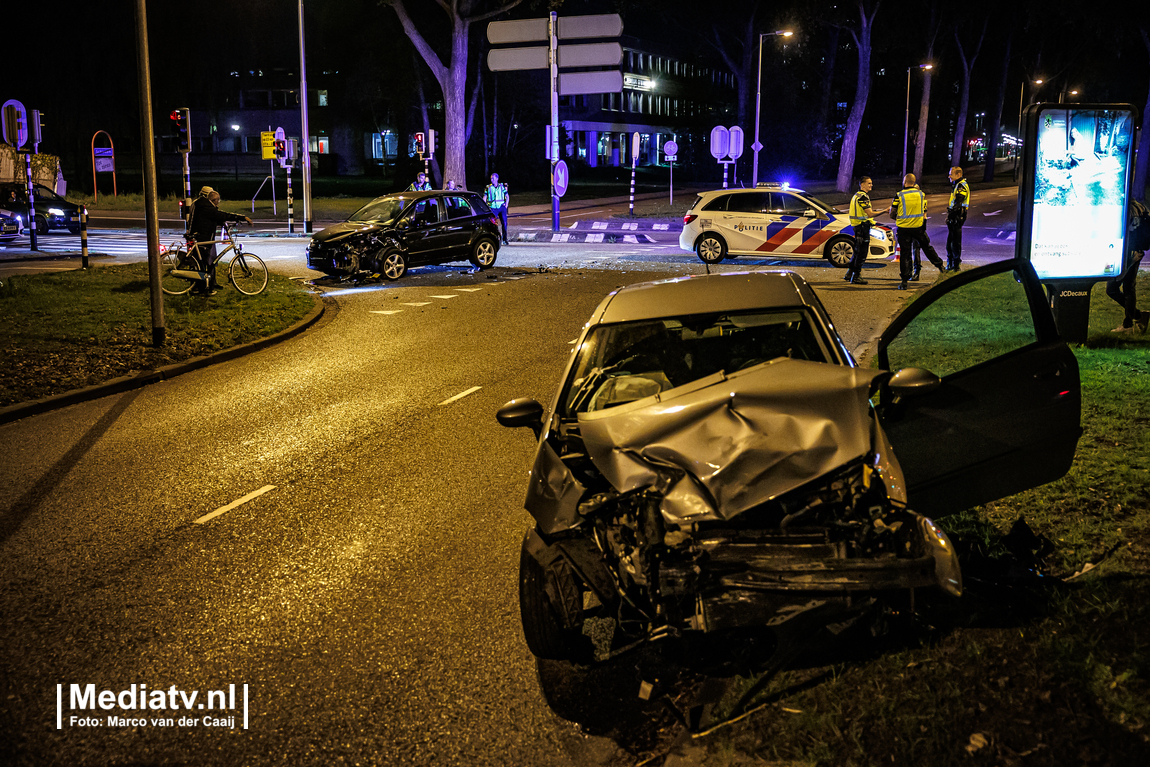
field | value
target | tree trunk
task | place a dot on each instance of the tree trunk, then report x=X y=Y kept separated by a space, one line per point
x=964 y=96
x=994 y=124
x=862 y=91
x=924 y=107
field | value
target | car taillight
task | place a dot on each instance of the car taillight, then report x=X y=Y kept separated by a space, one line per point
x=689 y=218
x=494 y=221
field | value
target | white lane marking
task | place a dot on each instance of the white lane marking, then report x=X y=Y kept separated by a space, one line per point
x=598 y=224
x=661 y=227
x=461 y=395
x=418 y=303
x=470 y=290
x=595 y=237
x=994 y=213
x=573 y=340
x=234 y=504
x=392 y=311
x=630 y=238
x=445 y=296
x=560 y=237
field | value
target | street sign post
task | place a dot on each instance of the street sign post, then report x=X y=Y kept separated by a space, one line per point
x=635 y=141
x=103 y=161
x=720 y=147
x=736 y=149
x=552 y=57
x=671 y=150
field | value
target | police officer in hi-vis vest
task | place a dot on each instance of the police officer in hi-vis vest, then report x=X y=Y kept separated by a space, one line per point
x=956 y=217
x=908 y=209
x=497 y=198
x=862 y=218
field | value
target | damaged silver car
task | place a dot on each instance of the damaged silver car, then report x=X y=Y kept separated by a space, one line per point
x=715 y=460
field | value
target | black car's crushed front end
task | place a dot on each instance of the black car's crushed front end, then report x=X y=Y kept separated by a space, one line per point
x=346 y=249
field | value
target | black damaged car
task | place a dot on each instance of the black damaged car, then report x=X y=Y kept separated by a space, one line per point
x=398 y=231
x=715 y=462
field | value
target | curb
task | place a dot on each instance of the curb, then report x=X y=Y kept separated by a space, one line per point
x=651 y=225
x=165 y=373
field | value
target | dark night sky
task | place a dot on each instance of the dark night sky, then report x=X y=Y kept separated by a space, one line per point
x=84 y=72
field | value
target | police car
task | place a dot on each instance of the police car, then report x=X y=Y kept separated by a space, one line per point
x=774 y=220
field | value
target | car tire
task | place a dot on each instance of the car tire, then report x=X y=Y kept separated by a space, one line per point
x=840 y=250
x=483 y=253
x=711 y=248
x=41 y=224
x=392 y=264
x=544 y=634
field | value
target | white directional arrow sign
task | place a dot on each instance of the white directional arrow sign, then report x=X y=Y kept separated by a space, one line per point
x=507 y=59
x=576 y=83
x=593 y=55
x=736 y=148
x=597 y=25
x=524 y=31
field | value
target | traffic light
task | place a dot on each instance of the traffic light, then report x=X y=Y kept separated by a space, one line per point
x=181 y=117
x=36 y=126
x=280 y=149
x=419 y=143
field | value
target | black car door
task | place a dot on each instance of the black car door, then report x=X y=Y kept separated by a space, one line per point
x=1006 y=416
x=422 y=236
x=459 y=225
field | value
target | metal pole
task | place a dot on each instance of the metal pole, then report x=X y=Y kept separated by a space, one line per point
x=671 y=201
x=553 y=57
x=1018 y=135
x=906 y=128
x=758 y=101
x=148 y=144
x=273 y=178
x=186 y=208
x=633 y=157
x=31 y=199
x=291 y=212
x=304 y=140
x=84 y=237
x=725 y=174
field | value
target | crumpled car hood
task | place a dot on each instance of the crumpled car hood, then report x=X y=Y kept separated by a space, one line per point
x=338 y=232
x=728 y=443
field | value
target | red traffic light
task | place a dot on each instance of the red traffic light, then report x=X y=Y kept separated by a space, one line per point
x=175 y=115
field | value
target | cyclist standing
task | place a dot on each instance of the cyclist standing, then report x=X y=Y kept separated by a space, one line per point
x=203 y=224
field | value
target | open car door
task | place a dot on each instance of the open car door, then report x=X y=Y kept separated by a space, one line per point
x=1006 y=416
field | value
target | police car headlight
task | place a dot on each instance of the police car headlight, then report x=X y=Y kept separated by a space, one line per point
x=878 y=234
x=55 y=211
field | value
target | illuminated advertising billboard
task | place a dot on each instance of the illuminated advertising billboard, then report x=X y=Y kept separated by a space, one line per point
x=1082 y=160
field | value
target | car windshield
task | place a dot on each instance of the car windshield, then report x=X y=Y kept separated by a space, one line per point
x=628 y=361
x=380 y=210
x=818 y=202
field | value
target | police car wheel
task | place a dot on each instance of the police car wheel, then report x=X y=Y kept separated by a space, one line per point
x=711 y=249
x=840 y=251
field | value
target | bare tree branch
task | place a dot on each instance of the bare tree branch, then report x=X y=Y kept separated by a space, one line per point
x=496 y=12
x=430 y=57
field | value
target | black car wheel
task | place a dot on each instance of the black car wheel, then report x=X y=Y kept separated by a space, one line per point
x=41 y=224
x=391 y=264
x=483 y=253
x=840 y=250
x=545 y=635
x=711 y=248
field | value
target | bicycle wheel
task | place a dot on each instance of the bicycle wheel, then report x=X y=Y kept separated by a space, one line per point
x=248 y=274
x=177 y=258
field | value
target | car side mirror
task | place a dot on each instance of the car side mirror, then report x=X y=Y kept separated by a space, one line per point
x=912 y=382
x=810 y=213
x=403 y=223
x=521 y=412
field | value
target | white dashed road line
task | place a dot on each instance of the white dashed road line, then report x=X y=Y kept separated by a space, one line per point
x=445 y=296
x=461 y=395
x=234 y=504
x=470 y=290
x=418 y=303
x=392 y=311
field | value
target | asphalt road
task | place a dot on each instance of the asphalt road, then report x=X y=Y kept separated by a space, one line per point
x=368 y=596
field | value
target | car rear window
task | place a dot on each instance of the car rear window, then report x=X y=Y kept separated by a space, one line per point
x=719 y=203
x=457 y=207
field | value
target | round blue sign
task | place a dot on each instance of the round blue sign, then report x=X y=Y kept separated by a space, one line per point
x=559 y=178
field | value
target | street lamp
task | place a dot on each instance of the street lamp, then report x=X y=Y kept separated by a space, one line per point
x=758 y=101
x=1018 y=149
x=906 y=128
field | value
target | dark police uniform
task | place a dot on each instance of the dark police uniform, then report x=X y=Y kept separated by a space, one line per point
x=861 y=223
x=955 y=218
x=909 y=211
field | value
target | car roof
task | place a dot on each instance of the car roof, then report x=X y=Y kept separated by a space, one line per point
x=701 y=293
x=760 y=188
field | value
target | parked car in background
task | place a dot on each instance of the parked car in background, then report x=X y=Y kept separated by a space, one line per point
x=774 y=220
x=11 y=225
x=715 y=462
x=52 y=210
x=408 y=229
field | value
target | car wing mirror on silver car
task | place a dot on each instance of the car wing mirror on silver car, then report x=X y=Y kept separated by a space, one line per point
x=912 y=382
x=521 y=412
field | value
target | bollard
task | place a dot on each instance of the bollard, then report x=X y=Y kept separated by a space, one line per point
x=84 y=238
x=31 y=200
x=632 y=185
x=291 y=211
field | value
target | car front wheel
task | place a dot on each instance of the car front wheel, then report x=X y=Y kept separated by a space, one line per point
x=542 y=630
x=483 y=253
x=840 y=250
x=711 y=249
x=391 y=264
x=41 y=224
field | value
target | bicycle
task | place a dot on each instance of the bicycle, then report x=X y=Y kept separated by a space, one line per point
x=180 y=268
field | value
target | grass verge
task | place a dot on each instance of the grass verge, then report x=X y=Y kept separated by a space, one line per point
x=1019 y=670
x=68 y=330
